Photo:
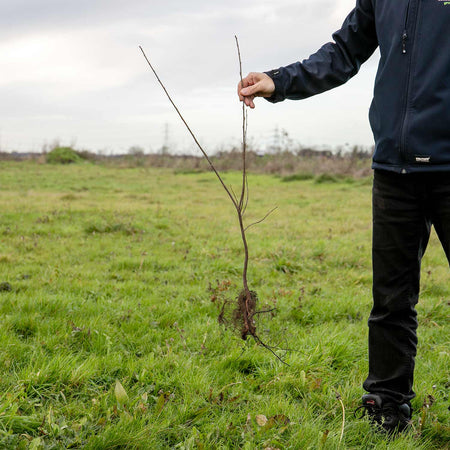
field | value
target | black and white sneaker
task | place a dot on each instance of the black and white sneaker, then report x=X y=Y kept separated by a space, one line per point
x=390 y=416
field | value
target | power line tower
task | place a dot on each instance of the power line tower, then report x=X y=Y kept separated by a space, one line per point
x=275 y=141
x=165 y=147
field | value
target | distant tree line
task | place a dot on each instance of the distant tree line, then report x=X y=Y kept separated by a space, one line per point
x=354 y=162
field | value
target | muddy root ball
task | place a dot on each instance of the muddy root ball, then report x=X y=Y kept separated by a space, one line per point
x=238 y=314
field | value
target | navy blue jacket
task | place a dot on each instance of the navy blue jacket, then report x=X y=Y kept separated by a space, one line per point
x=410 y=111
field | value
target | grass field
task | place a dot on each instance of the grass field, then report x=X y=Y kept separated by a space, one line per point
x=109 y=333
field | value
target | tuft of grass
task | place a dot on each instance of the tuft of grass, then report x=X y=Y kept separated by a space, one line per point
x=326 y=178
x=102 y=228
x=302 y=176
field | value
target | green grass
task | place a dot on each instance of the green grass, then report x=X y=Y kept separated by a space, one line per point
x=112 y=274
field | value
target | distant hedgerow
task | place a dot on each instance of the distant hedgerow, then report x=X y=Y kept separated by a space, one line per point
x=301 y=176
x=63 y=155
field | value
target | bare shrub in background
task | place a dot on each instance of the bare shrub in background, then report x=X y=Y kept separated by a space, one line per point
x=355 y=164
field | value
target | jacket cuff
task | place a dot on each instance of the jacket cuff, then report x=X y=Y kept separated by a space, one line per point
x=278 y=95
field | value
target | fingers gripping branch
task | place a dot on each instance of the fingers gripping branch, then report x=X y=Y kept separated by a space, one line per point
x=255 y=84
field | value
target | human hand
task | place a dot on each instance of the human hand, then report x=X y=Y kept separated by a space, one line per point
x=255 y=84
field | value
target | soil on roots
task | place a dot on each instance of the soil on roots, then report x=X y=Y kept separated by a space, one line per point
x=238 y=314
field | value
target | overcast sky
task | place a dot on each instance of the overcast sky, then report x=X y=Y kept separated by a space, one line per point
x=73 y=72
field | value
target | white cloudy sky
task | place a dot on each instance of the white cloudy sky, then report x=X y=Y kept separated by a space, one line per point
x=72 y=71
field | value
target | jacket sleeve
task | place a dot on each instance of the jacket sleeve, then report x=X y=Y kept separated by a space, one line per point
x=334 y=63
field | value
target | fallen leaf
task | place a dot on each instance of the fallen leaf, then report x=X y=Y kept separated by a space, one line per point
x=248 y=423
x=101 y=422
x=142 y=407
x=162 y=400
x=281 y=419
x=324 y=438
x=303 y=377
x=35 y=444
x=261 y=420
x=120 y=393
x=274 y=421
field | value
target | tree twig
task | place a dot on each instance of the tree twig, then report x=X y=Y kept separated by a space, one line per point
x=264 y=311
x=234 y=194
x=247 y=196
x=244 y=133
x=189 y=129
x=268 y=347
x=248 y=296
x=263 y=219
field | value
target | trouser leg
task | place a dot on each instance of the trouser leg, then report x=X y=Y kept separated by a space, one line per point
x=401 y=231
x=440 y=209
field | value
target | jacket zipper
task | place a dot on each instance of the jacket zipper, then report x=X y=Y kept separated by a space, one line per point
x=405 y=32
x=404 y=127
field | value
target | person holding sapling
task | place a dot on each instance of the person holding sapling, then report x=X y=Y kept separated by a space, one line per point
x=410 y=120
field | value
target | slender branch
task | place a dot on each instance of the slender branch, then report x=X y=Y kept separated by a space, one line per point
x=244 y=132
x=267 y=347
x=190 y=131
x=244 y=270
x=247 y=196
x=234 y=194
x=245 y=163
x=244 y=159
x=264 y=311
x=241 y=200
x=263 y=219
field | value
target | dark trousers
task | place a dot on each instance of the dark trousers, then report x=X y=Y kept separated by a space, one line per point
x=405 y=206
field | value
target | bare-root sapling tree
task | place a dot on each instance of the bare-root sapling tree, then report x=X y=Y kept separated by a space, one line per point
x=239 y=313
